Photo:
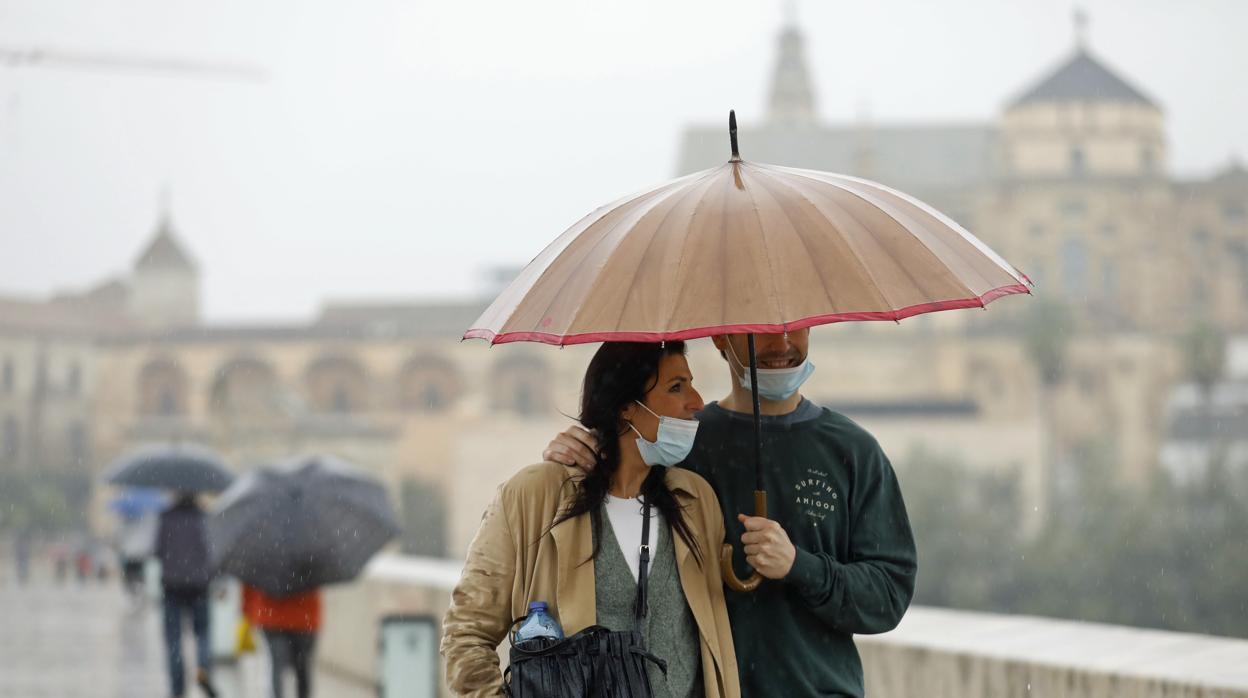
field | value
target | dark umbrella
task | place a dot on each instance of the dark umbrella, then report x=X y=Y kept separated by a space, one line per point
x=300 y=525
x=181 y=467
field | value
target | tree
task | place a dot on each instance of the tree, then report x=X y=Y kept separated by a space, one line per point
x=1047 y=328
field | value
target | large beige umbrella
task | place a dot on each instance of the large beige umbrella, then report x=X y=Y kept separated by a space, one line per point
x=746 y=248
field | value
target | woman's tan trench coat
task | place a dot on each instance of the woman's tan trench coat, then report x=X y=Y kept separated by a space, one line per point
x=513 y=560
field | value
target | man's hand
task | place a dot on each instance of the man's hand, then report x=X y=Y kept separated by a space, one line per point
x=767 y=547
x=573 y=447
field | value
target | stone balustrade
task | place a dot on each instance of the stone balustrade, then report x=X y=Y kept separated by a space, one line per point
x=934 y=653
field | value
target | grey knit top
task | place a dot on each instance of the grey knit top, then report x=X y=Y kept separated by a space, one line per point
x=670 y=631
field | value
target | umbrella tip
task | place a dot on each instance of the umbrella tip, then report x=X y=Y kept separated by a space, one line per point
x=732 y=133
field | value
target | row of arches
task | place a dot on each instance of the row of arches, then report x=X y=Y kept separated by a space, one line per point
x=249 y=386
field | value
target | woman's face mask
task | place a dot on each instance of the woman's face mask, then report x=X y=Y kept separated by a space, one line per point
x=775 y=383
x=675 y=440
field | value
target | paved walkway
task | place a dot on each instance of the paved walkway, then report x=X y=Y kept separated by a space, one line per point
x=73 y=641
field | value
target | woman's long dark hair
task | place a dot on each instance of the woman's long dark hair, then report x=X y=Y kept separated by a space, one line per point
x=620 y=373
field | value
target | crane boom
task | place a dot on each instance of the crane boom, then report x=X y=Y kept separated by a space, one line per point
x=50 y=58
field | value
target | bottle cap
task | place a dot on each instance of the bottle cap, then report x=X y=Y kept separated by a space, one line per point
x=537 y=606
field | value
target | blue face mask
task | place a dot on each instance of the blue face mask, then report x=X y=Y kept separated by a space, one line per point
x=775 y=383
x=675 y=440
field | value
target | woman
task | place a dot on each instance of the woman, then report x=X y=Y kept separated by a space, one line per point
x=290 y=624
x=572 y=539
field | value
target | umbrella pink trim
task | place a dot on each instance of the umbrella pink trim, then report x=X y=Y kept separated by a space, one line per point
x=590 y=337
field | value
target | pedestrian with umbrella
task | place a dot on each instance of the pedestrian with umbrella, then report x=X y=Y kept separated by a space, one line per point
x=287 y=530
x=181 y=546
x=753 y=256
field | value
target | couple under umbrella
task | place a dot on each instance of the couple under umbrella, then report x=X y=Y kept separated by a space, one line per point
x=752 y=256
x=283 y=530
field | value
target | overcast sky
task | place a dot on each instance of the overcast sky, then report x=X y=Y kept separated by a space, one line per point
x=397 y=148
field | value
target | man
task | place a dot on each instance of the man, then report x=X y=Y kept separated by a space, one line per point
x=185 y=572
x=837 y=555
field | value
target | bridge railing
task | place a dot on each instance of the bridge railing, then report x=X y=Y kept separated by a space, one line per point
x=934 y=653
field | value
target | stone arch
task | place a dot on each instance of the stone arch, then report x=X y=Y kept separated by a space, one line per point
x=337 y=384
x=428 y=383
x=521 y=385
x=245 y=387
x=162 y=388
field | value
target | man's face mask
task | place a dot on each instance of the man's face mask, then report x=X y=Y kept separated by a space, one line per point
x=774 y=383
x=675 y=440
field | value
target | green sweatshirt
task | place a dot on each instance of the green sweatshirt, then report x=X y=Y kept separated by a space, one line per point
x=833 y=490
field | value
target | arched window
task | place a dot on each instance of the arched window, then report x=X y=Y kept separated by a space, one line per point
x=73 y=379
x=1074 y=266
x=162 y=389
x=79 y=449
x=337 y=384
x=8 y=379
x=1078 y=160
x=428 y=384
x=9 y=446
x=245 y=387
x=1109 y=277
x=521 y=385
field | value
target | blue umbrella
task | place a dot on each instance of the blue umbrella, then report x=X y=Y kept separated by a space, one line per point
x=135 y=502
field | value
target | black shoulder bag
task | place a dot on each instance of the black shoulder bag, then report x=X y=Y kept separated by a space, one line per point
x=594 y=663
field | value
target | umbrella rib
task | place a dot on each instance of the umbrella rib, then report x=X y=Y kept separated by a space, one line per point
x=875 y=285
x=801 y=237
x=771 y=275
x=633 y=216
x=537 y=269
x=966 y=235
x=649 y=206
x=887 y=209
x=684 y=246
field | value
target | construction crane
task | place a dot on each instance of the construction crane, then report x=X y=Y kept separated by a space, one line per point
x=115 y=63
x=72 y=60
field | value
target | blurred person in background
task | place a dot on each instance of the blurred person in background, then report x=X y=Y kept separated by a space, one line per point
x=290 y=624
x=21 y=555
x=135 y=541
x=83 y=561
x=185 y=572
x=60 y=561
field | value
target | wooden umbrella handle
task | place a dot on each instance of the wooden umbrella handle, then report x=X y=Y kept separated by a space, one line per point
x=725 y=557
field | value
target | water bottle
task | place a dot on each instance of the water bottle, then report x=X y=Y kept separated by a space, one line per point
x=539 y=623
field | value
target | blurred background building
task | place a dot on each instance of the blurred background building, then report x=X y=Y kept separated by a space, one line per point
x=1070 y=182
x=1128 y=350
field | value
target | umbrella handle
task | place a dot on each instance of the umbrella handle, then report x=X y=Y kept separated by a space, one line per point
x=725 y=556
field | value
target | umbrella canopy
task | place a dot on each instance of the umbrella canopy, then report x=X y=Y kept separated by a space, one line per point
x=135 y=502
x=181 y=467
x=746 y=248
x=300 y=525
